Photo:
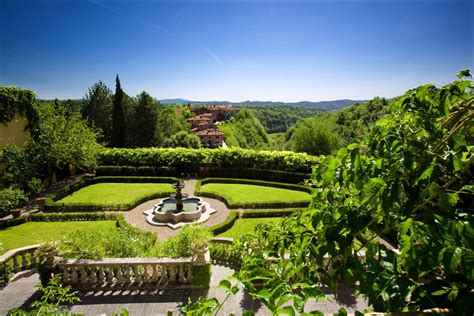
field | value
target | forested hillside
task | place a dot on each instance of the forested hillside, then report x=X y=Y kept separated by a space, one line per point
x=278 y=118
x=331 y=130
x=245 y=130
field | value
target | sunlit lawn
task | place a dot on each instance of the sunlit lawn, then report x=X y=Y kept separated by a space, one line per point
x=249 y=194
x=247 y=225
x=36 y=232
x=115 y=193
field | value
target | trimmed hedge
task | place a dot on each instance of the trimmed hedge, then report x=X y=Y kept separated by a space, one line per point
x=279 y=185
x=189 y=160
x=230 y=204
x=268 y=213
x=58 y=217
x=201 y=276
x=51 y=204
x=225 y=225
x=255 y=174
x=136 y=171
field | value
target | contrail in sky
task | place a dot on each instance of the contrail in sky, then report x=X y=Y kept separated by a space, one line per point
x=150 y=25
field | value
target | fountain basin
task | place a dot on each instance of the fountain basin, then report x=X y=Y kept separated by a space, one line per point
x=165 y=210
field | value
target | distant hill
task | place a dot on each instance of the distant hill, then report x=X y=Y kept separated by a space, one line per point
x=323 y=105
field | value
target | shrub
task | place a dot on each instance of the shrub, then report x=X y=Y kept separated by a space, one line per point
x=190 y=160
x=136 y=171
x=225 y=254
x=288 y=186
x=225 y=225
x=201 y=275
x=60 y=217
x=268 y=213
x=11 y=198
x=191 y=240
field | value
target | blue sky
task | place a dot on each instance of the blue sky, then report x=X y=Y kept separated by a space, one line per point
x=235 y=50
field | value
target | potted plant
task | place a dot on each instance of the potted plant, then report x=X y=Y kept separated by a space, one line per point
x=11 y=201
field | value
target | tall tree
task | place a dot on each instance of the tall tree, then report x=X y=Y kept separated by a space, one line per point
x=98 y=109
x=144 y=127
x=118 y=116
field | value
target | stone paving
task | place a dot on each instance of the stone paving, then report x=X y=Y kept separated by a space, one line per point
x=137 y=219
x=22 y=293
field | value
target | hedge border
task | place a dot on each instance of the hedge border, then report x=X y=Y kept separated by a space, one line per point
x=225 y=225
x=234 y=205
x=51 y=204
x=267 y=213
x=58 y=217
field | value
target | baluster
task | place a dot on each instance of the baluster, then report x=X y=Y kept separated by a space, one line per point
x=145 y=278
x=136 y=275
x=16 y=267
x=181 y=274
x=83 y=273
x=93 y=275
x=173 y=274
x=24 y=262
x=74 y=279
x=32 y=259
x=101 y=275
x=155 y=277
x=119 y=275
x=110 y=276
x=66 y=275
x=127 y=275
x=189 y=274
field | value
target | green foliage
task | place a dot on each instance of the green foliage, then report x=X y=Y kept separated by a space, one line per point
x=11 y=198
x=225 y=225
x=191 y=240
x=17 y=100
x=225 y=254
x=245 y=130
x=119 y=242
x=268 y=213
x=278 y=118
x=315 y=136
x=244 y=226
x=144 y=121
x=201 y=275
x=192 y=159
x=54 y=295
x=63 y=139
x=118 y=117
x=5 y=272
x=183 y=139
x=135 y=171
x=97 y=109
x=59 y=217
x=412 y=176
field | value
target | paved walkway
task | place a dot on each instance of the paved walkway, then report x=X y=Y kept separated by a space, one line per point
x=22 y=293
x=137 y=219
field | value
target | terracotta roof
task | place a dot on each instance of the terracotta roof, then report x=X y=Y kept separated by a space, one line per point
x=210 y=132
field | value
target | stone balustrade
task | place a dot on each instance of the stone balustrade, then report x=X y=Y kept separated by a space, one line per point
x=130 y=273
x=21 y=258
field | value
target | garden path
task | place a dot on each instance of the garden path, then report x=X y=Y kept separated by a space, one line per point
x=137 y=219
x=22 y=293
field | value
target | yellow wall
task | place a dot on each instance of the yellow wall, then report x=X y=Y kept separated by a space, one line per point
x=14 y=132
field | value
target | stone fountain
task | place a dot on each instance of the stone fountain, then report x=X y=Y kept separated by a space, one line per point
x=179 y=209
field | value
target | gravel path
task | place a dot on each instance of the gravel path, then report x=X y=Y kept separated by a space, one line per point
x=137 y=219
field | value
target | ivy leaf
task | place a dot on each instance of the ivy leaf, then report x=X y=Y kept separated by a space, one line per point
x=287 y=310
x=455 y=259
x=372 y=189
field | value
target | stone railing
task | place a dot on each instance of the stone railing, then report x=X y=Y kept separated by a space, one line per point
x=126 y=273
x=22 y=258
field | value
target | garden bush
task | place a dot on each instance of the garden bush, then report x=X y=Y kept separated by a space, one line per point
x=225 y=225
x=280 y=185
x=11 y=198
x=60 y=217
x=190 y=160
x=192 y=239
x=162 y=171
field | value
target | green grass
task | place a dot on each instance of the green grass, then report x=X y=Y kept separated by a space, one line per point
x=247 y=194
x=110 y=193
x=247 y=225
x=36 y=232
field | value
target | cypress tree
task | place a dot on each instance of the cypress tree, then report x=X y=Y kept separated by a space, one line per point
x=118 y=117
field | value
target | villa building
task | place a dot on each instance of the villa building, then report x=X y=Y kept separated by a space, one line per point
x=211 y=137
x=218 y=112
x=201 y=122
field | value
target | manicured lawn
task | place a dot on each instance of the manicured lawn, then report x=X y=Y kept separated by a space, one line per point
x=247 y=225
x=247 y=194
x=109 y=193
x=36 y=232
